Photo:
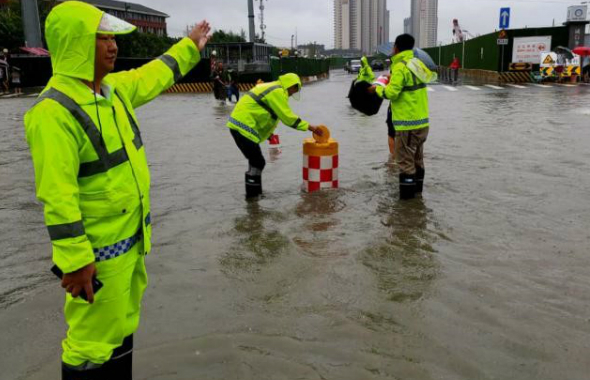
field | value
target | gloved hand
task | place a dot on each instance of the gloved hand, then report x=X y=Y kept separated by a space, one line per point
x=366 y=72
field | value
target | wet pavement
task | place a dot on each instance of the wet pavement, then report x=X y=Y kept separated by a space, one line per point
x=486 y=277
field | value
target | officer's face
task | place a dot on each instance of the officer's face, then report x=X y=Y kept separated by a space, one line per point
x=106 y=53
x=293 y=90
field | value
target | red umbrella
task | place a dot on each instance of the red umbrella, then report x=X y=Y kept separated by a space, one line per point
x=582 y=51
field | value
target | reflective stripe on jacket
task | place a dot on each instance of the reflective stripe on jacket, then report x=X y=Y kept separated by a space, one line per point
x=408 y=95
x=257 y=114
x=91 y=171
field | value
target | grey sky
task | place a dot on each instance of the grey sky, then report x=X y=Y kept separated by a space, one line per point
x=313 y=18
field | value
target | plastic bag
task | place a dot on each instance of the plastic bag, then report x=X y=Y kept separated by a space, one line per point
x=359 y=96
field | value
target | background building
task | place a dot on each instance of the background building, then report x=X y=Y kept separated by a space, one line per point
x=360 y=24
x=423 y=23
x=408 y=25
x=146 y=19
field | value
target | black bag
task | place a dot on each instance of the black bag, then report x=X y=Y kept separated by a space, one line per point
x=361 y=100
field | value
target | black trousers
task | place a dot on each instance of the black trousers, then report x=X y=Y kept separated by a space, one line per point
x=250 y=150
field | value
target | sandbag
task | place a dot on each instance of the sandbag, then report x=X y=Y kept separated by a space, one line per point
x=361 y=100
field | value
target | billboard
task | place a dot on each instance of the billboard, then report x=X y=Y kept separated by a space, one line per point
x=529 y=49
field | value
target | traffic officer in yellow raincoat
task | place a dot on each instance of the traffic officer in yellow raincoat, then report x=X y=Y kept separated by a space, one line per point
x=92 y=176
x=409 y=113
x=255 y=118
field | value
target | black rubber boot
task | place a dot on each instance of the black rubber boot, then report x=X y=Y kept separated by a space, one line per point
x=119 y=367
x=407 y=186
x=69 y=373
x=253 y=185
x=419 y=180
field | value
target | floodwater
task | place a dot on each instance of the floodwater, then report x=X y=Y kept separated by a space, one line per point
x=486 y=277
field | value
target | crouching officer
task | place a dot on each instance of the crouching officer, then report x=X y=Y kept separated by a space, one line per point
x=255 y=118
x=409 y=113
x=92 y=176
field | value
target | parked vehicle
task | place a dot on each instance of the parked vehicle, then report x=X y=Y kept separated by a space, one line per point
x=378 y=64
x=355 y=66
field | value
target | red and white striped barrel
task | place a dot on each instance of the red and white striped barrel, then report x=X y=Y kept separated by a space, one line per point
x=320 y=163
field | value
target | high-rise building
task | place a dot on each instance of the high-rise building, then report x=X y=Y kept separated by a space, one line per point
x=408 y=25
x=360 y=24
x=423 y=24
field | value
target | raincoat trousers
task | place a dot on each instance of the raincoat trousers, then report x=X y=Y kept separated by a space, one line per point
x=92 y=176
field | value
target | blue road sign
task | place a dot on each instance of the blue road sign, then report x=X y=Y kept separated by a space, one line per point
x=504 y=18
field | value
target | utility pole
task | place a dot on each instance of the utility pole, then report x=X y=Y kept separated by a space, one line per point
x=251 y=27
x=262 y=25
x=292 y=38
x=31 y=24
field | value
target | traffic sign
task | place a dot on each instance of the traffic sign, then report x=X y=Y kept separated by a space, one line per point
x=504 y=18
x=520 y=66
x=548 y=59
x=502 y=41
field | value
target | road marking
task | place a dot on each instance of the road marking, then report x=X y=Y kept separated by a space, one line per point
x=473 y=88
x=515 y=85
x=32 y=95
x=494 y=87
x=567 y=85
x=449 y=88
x=430 y=89
x=541 y=85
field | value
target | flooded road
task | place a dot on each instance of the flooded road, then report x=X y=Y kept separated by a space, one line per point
x=486 y=277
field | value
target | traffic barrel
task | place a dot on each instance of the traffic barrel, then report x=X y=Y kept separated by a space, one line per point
x=320 y=162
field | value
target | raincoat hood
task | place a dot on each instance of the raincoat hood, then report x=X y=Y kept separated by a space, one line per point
x=289 y=80
x=70 y=30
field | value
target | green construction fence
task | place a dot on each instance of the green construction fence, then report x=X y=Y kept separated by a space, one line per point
x=304 y=67
x=484 y=53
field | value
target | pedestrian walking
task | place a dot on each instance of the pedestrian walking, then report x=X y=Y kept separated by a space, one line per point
x=15 y=75
x=4 y=78
x=255 y=118
x=455 y=66
x=219 y=86
x=4 y=72
x=409 y=113
x=231 y=78
x=92 y=175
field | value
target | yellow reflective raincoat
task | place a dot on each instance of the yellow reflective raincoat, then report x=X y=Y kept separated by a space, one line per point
x=407 y=92
x=257 y=114
x=92 y=175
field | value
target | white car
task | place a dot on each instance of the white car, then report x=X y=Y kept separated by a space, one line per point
x=355 y=65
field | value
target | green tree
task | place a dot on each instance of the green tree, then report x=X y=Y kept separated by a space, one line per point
x=12 y=35
x=221 y=36
x=142 y=45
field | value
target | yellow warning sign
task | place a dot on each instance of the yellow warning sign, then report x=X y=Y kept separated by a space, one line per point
x=548 y=60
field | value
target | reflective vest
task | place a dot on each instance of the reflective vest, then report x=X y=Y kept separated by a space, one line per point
x=91 y=170
x=258 y=113
x=408 y=95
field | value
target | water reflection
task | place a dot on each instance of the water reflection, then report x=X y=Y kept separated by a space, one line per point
x=258 y=243
x=274 y=154
x=318 y=236
x=404 y=262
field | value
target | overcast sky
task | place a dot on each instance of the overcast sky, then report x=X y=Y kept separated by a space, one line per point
x=313 y=19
